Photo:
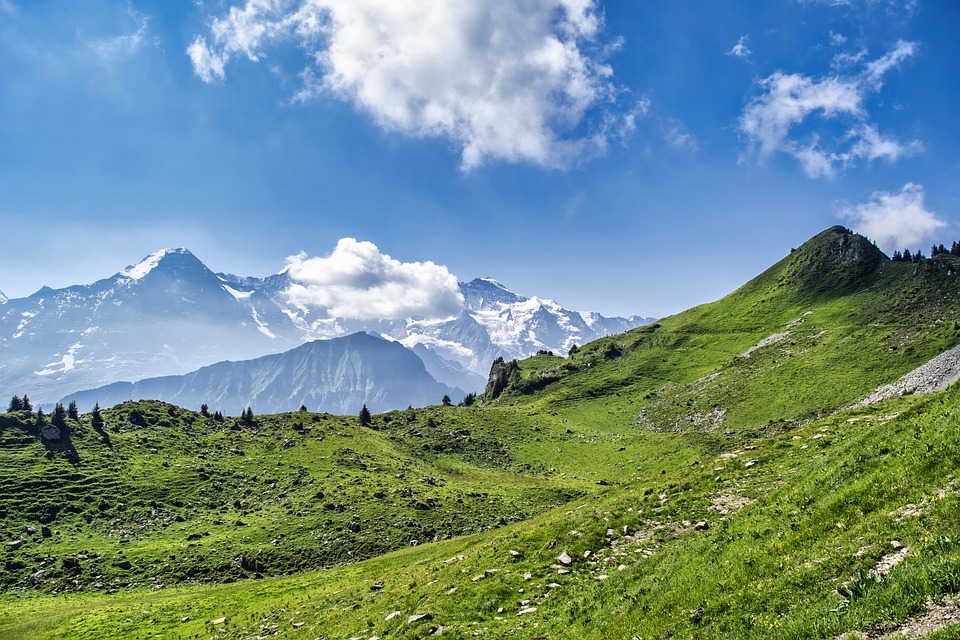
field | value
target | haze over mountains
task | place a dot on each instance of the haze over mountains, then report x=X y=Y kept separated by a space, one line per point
x=170 y=315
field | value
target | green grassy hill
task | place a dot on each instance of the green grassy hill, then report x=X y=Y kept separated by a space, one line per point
x=694 y=478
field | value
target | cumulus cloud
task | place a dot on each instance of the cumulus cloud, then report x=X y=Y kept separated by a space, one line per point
x=740 y=50
x=357 y=281
x=504 y=80
x=895 y=220
x=791 y=102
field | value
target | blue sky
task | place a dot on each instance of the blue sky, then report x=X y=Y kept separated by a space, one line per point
x=624 y=157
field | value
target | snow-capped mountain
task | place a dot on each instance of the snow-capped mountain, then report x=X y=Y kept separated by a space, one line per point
x=335 y=376
x=3 y=298
x=169 y=315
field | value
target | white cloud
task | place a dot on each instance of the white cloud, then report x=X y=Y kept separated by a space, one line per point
x=791 y=102
x=504 y=80
x=740 y=50
x=357 y=281
x=119 y=48
x=895 y=220
x=879 y=67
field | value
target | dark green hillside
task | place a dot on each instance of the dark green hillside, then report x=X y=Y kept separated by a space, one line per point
x=695 y=478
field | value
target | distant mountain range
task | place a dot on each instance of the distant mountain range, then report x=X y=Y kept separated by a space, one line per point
x=334 y=376
x=170 y=315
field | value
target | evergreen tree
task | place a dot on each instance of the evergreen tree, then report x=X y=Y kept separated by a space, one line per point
x=955 y=248
x=40 y=419
x=303 y=408
x=446 y=401
x=72 y=411
x=26 y=406
x=16 y=404
x=247 y=417
x=218 y=416
x=59 y=416
x=897 y=257
x=204 y=410
x=96 y=419
x=468 y=399
x=918 y=256
x=906 y=256
x=364 y=416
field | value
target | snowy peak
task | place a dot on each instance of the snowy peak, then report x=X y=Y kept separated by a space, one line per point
x=486 y=293
x=3 y=298
x=165 y=260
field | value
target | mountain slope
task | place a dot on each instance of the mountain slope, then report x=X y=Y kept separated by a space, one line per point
x=331 y=376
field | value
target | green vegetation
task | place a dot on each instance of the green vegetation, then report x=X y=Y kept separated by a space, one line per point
x=695 y=478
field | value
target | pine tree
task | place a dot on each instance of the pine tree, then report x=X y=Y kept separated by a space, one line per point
x=364 y=416
x=204 y=410
x=897 y=257
x=247 y=416
x=59 y=416
x=40 y=419
x=955 y=248
x=16 y=404
x=26 y=406
x=96 y=419
x=906 y=256
x=446 y=401
x=72 y=411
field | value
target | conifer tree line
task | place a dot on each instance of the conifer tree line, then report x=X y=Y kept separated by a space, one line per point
x=917 y=256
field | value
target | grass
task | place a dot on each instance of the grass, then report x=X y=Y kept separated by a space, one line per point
x=303 y=525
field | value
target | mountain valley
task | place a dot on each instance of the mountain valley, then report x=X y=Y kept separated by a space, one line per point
x=711 y=475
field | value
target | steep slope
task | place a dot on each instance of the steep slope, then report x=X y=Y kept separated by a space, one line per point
x=332 y=376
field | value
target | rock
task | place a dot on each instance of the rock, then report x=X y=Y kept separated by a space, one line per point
x=219 y=620
x=376 y=586
x=602 y=577
x=185 y=619
x=896 y=544
x=565 y=559
x=514 y=553
x=701 y=526
x=524 y=612
x=45 y=531
x=478 y=578
x=14 y=544
x=587 y=553
x=527 y=576
x=562 y=572
x=419 y=617
x=30 y=529
x=611 y=533
x=553 y=585
x=50 y=432
x=391 y=616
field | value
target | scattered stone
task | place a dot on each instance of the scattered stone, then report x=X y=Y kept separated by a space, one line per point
x=14 y=544
x=701 y=526
x=297 y=625
x=220 y=620
x=587 y=553
x=622 y=567
x=478 y=578
x=514 y=553
x=45 y=531
x=419 y=617
x=602 y=577
x=553 y=585
x=391 y=616
x=524 y=612
x=527 y=576
x=185 y=619
x=565 y=559
x=452 y=591
x=30 y=529
x=376 y=586
x=562 y=572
